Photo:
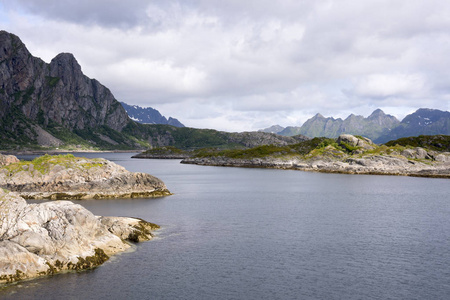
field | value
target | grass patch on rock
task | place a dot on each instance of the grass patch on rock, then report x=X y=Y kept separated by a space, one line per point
x=45 y=163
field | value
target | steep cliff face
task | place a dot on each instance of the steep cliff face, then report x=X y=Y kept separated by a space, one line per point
x=34 y=93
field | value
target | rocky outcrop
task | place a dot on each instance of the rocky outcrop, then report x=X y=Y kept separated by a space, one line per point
x=47 y=238
x=66 y=177
x=355 y=143
x=364 y=158
x=130 y=229
x=7 y=160
x=164 y=153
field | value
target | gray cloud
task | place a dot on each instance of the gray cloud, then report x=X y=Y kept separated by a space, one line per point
x=234 y=65
x=109 y=13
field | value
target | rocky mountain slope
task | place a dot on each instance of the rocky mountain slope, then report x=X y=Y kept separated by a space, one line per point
x=148 y=115
x=422 y=122
x=375 y=125
x=36 y=96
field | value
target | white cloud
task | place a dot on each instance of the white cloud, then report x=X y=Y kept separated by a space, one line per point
x=236 y=65
x=384 y=86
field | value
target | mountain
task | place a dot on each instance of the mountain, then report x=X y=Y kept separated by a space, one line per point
x=148 y=115
x=40 y=101
x=55 y=105
x=377 y=124
x=272 y=129
x=423 y=121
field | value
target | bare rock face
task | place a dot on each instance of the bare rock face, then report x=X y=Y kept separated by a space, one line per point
x=130 y=229
x=40 y=239
x=417 y=153
x=356 y=142
x=56 y=93
x=43 y=239
x=67 y=177
x=7 y=160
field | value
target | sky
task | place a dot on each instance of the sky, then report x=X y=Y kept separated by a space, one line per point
x=243 y=65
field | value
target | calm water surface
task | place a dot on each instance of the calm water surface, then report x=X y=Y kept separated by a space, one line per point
x=232 y=233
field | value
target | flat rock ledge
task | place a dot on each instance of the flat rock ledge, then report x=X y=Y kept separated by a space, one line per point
x=404 y=164
x=65 y=177
x=56 y=236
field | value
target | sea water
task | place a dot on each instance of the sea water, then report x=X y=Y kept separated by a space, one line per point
x=237 y=233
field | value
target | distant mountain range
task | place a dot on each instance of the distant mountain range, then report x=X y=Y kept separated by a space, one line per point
x=379 y=126
x=148 y=115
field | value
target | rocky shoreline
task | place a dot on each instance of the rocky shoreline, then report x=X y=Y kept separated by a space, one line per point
x=376 y=165
x=56 y=236
x=66 y=177
x=161 y=156
x=365 y=158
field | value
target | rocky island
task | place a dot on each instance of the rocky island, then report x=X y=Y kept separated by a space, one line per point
x=51 y=237
x=347 y=154
x=66 y=177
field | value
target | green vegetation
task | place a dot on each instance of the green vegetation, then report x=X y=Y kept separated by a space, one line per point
x=325 y=147
x=16 y=129
x=432 y=142
x=302 y=148
x=348 y=147
x=256 y=152
x=44 y=163
x=182 y=138
x=52 y=81
x=167 y=150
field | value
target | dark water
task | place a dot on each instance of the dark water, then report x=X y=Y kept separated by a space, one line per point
x=231 y=233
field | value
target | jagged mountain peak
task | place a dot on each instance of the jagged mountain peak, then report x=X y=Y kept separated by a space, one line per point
x=372 y=127
x=318 y=116
x=376 y=113
x=352 y=117
x=424 y=121
x=148 y=115
x=66 y=66
x=66 y=59
x=273 y=129
x=425 y=116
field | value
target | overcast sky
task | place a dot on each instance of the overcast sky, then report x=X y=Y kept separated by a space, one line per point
x=239 y=65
